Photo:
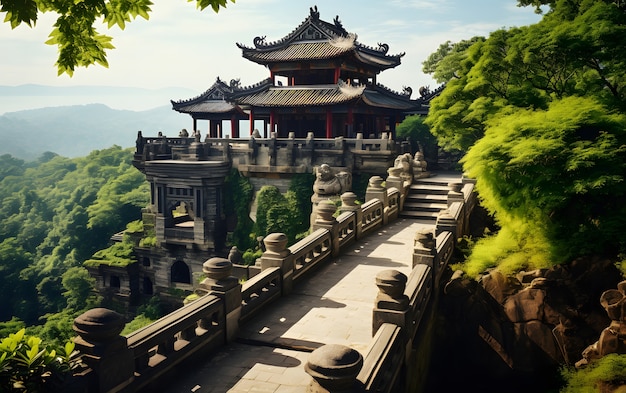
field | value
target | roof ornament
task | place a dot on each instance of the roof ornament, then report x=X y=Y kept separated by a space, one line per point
x=259 y=41
x=338 y=23
x=424 y=91
x=314 y=12
x=235 y=83
x=384 y=48
x=407 y=91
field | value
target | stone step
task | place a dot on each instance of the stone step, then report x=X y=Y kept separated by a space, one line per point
x=434 y=189
x=419 y=215
x=426 y=198
x=425 y=206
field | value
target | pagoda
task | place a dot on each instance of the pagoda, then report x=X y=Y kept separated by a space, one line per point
x=322 y=80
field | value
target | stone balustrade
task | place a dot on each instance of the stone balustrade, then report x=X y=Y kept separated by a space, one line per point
x=283 y=155
x=213 y=320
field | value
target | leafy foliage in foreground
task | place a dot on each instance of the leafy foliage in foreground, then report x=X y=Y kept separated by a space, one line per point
x=549 y=163
x=28 y=365
x=74 y=34
x=555 y=180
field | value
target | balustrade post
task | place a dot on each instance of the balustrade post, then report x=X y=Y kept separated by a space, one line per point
x=454 y=193
x=394 y=180
x=375 y=190
x=334 y=369
x=348 y=204
x=273 y=149
x=391 y=305
x=221 y=283
x=278 y=255
x=325 y=219
x=446 y=222
x=253 y=150
x=424 y=248
x=103 y=350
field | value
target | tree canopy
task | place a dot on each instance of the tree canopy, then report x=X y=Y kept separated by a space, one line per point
x=539 y=111
x=79 y=43
x=56 y=213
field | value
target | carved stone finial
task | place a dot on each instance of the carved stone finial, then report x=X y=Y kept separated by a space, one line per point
x=407 y=91
x=384 y=48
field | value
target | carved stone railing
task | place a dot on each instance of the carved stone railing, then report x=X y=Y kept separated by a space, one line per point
x=372 y=216
x=259 y=291
x=159 y=346
x=285 y=155
x=311 y=251
x=115 y=363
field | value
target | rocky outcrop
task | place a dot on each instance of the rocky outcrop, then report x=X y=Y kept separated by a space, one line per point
x=524 y=328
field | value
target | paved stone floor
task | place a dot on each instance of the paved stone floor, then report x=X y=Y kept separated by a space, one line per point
x=334 y=305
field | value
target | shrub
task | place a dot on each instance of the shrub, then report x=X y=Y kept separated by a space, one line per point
x=27 y=365
x=610 y=369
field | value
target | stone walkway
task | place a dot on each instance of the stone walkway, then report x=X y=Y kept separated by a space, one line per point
x=333 y=306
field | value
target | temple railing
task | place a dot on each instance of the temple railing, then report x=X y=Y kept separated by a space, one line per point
x=127 y=364
x=287 y=155
x=259 y=291
x=156 y=348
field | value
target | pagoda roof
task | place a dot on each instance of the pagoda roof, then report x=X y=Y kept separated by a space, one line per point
x=315 y=39
x=222 y=98
x=303 y=95
x=217 y=98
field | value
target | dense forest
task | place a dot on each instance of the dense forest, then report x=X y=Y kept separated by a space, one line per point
x=56 y=212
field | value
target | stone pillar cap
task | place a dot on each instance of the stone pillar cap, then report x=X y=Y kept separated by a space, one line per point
x=391 y=282
x=99 y=324
x=217 y=268
x=334 y=362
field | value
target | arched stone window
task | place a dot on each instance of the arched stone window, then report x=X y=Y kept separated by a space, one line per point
x=147 y=286
x=180 y=273
x=114 y=282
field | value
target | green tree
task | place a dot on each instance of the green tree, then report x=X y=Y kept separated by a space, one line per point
x=78 y=41
x=79 y=289
x=418 y=133
x=548 y=164
x=445 y=63
x=238 y=192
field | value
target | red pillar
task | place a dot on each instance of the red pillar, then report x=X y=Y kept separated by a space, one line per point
x=234 y=127
x=329 y=123
x=337 y=74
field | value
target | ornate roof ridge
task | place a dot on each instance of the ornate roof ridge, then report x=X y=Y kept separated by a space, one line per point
x=406 y=90
x=218 y=85
x=330 y=30
x=259 y=86
x=427 y=95
x=382 y=48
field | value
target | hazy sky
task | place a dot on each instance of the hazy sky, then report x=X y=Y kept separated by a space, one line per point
x=181 y=46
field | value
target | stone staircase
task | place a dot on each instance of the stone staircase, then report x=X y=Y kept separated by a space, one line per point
x=428 y=196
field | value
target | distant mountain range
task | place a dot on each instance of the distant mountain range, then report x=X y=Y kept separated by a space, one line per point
x=74 y=131
x=73 y=121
